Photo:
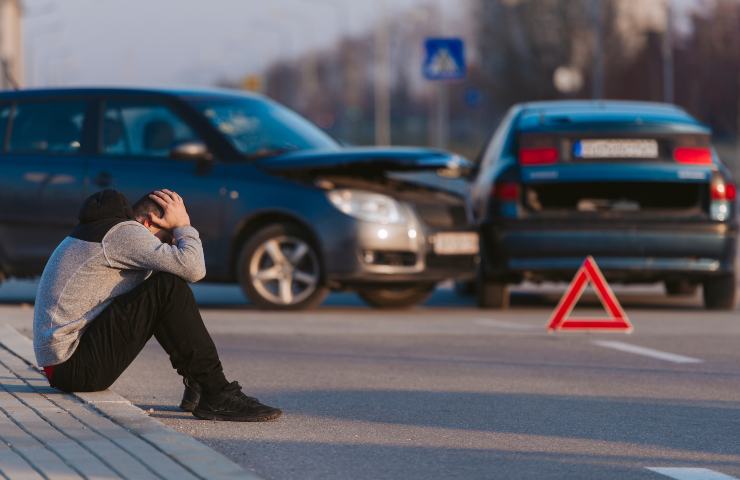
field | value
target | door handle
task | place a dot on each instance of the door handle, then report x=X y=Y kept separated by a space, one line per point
x=103 y=180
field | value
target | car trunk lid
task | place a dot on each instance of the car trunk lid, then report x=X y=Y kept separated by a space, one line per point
x=606 y=175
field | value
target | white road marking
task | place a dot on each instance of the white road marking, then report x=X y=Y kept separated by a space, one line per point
x=691 y=473
x=648 y=352
x=487 y=322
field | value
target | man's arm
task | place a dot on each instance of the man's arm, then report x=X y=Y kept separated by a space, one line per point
x=133 y=246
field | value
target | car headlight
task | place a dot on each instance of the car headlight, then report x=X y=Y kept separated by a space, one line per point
x=368 y=206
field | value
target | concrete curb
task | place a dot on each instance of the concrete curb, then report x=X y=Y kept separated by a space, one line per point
x=198 y=459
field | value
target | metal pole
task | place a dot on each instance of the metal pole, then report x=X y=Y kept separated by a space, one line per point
x=667 y=47
x=441 y=132
x=381 y=85
x=597 y=14
x=737 y=138
x=8 y=75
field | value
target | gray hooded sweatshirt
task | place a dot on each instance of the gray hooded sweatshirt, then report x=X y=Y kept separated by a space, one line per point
x=102 y=259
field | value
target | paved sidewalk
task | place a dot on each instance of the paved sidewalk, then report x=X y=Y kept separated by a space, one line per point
x=45 y=433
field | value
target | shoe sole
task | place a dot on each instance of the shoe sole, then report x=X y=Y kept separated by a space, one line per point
x=225 y=418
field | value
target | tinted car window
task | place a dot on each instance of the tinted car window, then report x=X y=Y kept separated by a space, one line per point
x=260 y=128
x=53 y=127
x=142 y=130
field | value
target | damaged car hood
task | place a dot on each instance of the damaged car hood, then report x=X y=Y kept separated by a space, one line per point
x=367 y=161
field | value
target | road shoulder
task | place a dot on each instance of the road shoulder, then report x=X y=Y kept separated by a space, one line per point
x=45 y=431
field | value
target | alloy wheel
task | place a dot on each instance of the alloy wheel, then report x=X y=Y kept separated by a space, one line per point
x=284 y=270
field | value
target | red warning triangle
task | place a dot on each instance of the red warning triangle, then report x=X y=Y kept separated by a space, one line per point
x=589 y=272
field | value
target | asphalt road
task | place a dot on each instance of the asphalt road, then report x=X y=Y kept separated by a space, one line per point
x=450 y=391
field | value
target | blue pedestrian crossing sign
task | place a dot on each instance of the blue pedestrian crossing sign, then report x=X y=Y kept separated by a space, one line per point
x=444 y=59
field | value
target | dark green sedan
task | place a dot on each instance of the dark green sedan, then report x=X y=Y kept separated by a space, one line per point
x=636 y=185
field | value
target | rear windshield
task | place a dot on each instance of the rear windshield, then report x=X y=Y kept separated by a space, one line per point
x=591 y=114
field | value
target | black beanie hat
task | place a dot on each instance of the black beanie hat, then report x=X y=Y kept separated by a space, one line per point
x=105 y=205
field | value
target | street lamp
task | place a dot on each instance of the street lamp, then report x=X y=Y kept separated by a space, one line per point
x=567 y=79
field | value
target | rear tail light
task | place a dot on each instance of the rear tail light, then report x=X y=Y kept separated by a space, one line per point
x=730 y=191
x=506 y=191
x=692 y=155
x=723 y=191
x=538 y=156
x=723 y=195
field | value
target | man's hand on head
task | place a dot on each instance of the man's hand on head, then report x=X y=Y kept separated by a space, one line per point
x=173 y=206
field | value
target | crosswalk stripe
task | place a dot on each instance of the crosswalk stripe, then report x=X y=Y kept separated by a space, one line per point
x=690 y=473
x=647 y=352
x=487 y=322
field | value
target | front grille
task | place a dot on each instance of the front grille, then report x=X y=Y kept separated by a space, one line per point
x=390 y=259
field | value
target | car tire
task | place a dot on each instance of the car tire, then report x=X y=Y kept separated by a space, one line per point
x=273 y=280
x=492 y=293
x=680 y=288
x=405 y=296
x=465 y=288
x=720 y=293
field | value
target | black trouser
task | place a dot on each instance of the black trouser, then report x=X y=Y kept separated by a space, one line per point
x=162 y=306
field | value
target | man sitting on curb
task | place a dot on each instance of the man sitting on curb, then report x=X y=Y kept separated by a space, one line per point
x=115 y=282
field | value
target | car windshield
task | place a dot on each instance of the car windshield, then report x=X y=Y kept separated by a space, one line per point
x=259 y=128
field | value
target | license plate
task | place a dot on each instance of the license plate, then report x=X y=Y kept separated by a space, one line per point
x=456 y=243
x=617 y=148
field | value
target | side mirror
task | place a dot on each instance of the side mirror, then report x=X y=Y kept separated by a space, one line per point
x=191 y=151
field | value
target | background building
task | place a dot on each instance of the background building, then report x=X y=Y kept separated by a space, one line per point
x=11 y=51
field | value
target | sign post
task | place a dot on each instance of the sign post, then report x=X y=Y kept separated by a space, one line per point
x=444 y=61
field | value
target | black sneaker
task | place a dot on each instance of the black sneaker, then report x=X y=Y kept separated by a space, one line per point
x=232 y=405
x=191 y=395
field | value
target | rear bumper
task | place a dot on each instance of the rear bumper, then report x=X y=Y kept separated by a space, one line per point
x=624 y=252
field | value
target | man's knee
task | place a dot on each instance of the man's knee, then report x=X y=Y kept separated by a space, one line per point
x=171 y=286
x=170 y=280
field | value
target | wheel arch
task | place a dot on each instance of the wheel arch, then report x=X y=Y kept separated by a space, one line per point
x=254 y=223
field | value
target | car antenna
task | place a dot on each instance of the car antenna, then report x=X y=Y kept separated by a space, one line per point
x=8 y=75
